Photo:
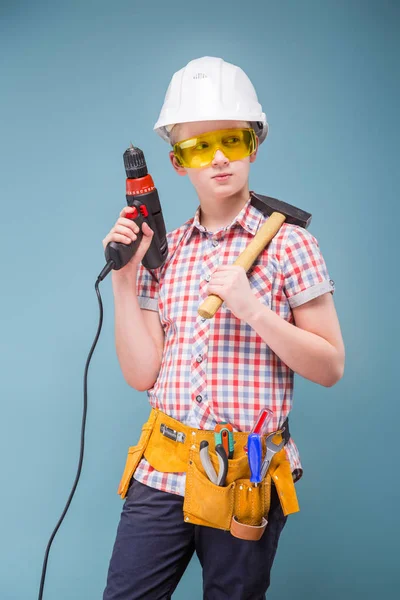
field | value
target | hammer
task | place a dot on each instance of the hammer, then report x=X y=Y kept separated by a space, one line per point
x=278 y=212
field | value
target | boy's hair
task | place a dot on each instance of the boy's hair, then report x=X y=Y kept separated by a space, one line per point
x=173 y=136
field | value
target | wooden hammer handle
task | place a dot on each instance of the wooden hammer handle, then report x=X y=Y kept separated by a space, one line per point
x=271 y=226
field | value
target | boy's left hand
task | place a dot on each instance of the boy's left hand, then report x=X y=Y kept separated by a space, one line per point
x=230 y=283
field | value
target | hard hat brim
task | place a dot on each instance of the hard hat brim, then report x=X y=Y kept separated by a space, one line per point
x=260 y=126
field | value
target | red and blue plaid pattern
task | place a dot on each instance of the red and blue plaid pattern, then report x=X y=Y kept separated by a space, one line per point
x=220 y=369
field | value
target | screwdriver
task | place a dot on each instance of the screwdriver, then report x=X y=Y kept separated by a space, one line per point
x=254 y=452
x=261 y=422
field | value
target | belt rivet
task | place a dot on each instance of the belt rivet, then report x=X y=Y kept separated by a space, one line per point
x=250 y=489
x=193 y=447
x=186 y=518
x=241 y=487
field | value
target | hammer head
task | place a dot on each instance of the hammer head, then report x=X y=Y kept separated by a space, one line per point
x=267 y=205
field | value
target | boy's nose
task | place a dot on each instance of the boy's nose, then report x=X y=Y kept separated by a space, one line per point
x=219 y=158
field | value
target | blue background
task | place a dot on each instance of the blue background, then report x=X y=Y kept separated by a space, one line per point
x=79 y=81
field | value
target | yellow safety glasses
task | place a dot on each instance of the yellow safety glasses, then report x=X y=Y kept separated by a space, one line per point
x=197 y=152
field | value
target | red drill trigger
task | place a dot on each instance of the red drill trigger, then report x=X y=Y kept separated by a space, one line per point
x=133 y=214
x=143 y=210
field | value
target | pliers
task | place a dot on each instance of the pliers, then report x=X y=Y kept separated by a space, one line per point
x=271 y=450
x=209 y=467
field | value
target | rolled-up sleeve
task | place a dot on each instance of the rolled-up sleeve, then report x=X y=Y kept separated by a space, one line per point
x=147 y=288
x=305 y=272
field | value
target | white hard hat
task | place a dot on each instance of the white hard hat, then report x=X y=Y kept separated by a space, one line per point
x=210 y=89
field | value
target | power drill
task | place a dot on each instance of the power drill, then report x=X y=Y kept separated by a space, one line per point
x=143 y=196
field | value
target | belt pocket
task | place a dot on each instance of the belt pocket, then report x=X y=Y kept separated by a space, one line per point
x=135 y=453
x=251 y=509
x=252 y=502
x=205 y=502
x=240 y=506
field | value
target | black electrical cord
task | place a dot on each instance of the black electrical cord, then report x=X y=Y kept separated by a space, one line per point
x=82 y=448
x=143 y=196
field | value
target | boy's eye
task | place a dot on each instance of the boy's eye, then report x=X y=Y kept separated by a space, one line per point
x=231 y=140
x=201 y=146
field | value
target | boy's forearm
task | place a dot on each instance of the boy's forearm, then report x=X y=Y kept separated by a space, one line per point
x=306 y=353
x=136 y=350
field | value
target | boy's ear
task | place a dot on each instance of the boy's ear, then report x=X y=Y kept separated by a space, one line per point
x=254 y=155
x=180 y=170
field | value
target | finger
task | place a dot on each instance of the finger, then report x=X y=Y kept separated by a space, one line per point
x=129 y=223
x=229 y=268
x=126 y=211
x=120 y=237
x=147 y=230
x=217 y=281
x=218 y=285
x=121 y=229
x=217 y=290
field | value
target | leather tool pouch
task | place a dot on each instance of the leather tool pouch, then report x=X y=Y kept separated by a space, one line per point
x=135 y=453
x=239 y=506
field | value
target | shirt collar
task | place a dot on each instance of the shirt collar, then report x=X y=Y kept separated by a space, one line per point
x=248 y=218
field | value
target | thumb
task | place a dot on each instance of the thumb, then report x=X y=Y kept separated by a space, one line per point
x=148 y=234
x=145 y=242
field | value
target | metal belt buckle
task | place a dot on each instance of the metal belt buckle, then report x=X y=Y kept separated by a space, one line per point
x=172 y=434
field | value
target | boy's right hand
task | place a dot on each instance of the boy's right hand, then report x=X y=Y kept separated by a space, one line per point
x=125 y=231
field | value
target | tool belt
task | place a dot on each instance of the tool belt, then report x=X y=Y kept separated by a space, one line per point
x=239 y=506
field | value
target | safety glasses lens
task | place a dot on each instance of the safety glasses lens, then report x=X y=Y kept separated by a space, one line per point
x=199 y=151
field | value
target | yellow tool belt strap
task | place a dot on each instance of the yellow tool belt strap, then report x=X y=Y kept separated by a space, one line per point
x=169 y=456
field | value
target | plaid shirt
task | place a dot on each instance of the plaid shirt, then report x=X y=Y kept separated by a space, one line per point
x=220 y=369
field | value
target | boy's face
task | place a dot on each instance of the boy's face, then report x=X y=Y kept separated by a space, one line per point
x=204 y=179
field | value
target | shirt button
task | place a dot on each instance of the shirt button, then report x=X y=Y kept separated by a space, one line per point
x=199 y=398
x=215 y=242
x=208 y=277
x=199 y=358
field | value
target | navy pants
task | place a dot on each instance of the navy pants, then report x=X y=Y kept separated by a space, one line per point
x=154 y=545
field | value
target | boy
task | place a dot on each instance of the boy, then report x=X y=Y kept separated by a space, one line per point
x=276 y=319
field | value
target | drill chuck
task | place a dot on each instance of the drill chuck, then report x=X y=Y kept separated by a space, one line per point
x=135 y=164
